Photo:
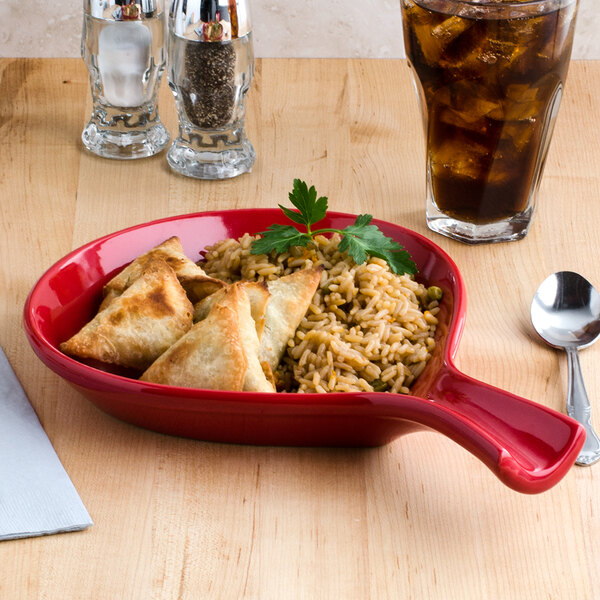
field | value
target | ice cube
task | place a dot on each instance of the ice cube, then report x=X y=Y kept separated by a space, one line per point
x=462 y=120
x=474 y=120
x=480 y=106
x=447 y=31
x=435 y=40
x=521 y=92
x=459 y=157
x=519 y=133
x=525 y=30
x=473 y=100
x=523 y=111
x=471 y=55
x=505 y=52
x=500 y=172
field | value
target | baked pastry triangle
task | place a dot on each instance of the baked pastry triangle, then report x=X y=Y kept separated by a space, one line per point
x=139 y=324
x=194 y=280
x=258 y=294
x=209 y=356
x=290 y=297
x=219 y=352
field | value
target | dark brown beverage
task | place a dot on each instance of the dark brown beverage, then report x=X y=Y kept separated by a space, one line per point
x=491 y=84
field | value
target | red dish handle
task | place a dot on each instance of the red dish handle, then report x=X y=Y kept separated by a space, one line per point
x=528 y=446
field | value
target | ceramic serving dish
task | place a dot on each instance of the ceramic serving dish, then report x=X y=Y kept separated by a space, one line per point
x=528 y=446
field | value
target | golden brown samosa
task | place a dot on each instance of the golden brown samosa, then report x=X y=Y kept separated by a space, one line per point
x=290 y=297
x=194 y=280
x=209 y=356
x=236 y=297
x=140 y=324
x=219 y=352
x=258 y=294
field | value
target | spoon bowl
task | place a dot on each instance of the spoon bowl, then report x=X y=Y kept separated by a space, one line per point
x=565 y=312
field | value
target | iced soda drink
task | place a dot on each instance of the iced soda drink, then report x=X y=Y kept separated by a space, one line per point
x=490 y=76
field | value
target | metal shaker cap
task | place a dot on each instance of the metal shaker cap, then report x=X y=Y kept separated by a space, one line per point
x=149 y=8
x=113 y=9
x=210 y=20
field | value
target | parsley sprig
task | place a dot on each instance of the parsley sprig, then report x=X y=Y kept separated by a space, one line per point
x=360 y=239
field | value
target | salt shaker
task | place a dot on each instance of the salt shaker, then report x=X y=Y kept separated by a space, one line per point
x=123 y=46
x=210 y=68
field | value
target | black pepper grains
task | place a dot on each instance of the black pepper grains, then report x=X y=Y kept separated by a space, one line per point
x=209 y=94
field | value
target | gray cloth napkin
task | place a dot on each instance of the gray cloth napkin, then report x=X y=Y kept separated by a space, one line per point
x=36 y=495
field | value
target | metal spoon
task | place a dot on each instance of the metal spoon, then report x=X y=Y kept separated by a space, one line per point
x=566 y=313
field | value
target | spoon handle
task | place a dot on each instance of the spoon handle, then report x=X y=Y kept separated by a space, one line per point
x=579 y=408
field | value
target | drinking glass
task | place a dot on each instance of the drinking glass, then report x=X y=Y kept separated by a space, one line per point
x=210 y=68
x=489 y=76
x=123 y=46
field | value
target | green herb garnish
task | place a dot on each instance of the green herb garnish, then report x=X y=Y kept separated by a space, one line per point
x=360 y=239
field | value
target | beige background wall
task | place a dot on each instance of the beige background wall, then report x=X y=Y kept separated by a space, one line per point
x=284 y=28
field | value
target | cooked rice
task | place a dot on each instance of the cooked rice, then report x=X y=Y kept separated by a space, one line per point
x=366 y=329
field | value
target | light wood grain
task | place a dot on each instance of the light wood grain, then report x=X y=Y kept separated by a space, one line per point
x=420 y=518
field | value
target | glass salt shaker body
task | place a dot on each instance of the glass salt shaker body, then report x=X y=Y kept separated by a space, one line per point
x=210 y=68
x=123 y=46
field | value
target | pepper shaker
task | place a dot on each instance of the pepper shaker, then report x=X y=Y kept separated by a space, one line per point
x=210 y=67
x=123 y=46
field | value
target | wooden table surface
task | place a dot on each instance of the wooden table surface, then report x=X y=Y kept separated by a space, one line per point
x=180 y=519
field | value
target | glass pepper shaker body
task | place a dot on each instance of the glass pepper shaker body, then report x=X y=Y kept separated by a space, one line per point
x=210 y=68
x=123 y=46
